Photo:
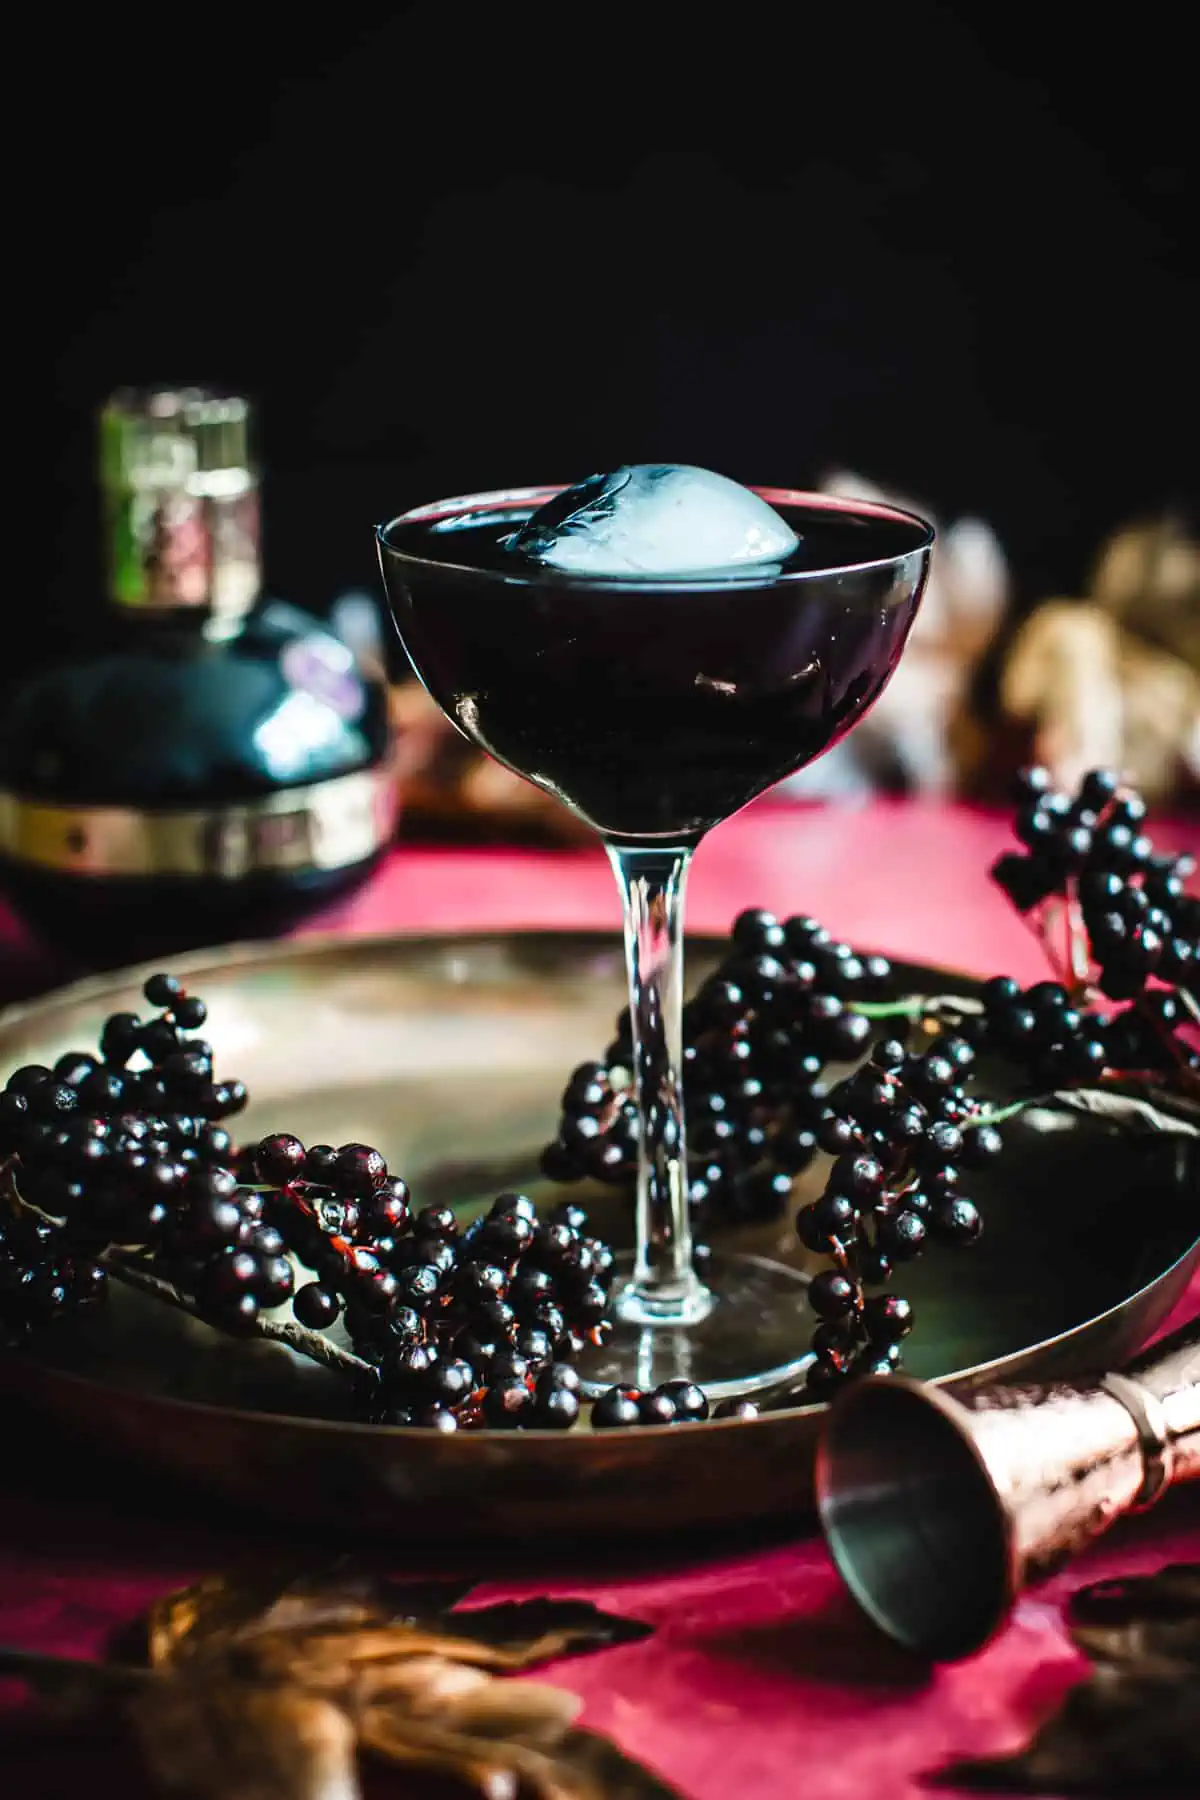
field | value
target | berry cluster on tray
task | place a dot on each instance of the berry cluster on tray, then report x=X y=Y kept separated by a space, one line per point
x=904 y=1127
x=758 y=1037
x=117 y=1164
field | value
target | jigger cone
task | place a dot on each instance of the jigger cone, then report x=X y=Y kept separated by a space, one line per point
x=938 y=1512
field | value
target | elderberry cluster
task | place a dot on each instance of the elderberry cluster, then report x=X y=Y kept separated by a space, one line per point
x=1054 y=1042
x=121 y=1154
x=900 y=1129
x=41 y=1278
x=672 y=1403
x=459 y=1327
x=1128 y=931
x=903 y=1127
x=111 y=1154
x=1140 y=923
x=757 y=1038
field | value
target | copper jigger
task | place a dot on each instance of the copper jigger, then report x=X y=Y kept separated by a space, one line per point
x=938 y=1511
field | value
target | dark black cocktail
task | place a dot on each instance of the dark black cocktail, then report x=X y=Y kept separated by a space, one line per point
x=656 y=647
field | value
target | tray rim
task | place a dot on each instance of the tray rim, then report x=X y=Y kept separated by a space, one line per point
x=313 y=946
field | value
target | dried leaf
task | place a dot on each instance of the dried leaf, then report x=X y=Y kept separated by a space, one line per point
x=1172 y=1593
x=342 y=1611
x=220 y=1740
x=581 y=1767
x=1115 y=1734
x=451 y=1720
x=484 y=1767
x=609 y=1771
x=287 y=1595
x=336 y=1660
x=263 y=1685
x=1171 y=1114
x=213 y=1609
x=1130 y=1728
x=528 y=1712
x=536 y=1631
x=1150 y=1624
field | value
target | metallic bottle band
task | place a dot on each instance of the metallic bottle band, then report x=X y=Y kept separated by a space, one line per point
x=1154 y=1434
x=328 y=825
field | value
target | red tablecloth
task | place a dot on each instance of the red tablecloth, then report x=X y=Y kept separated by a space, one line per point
x=760 y=1681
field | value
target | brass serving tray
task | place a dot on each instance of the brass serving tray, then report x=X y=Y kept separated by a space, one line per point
x=450 y=1053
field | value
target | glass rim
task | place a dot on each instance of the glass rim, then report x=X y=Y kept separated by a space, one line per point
x=748 y=575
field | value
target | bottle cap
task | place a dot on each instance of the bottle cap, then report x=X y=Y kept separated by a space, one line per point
x=180 y=498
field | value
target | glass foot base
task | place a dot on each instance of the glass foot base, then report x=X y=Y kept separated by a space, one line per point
x=754 y=1337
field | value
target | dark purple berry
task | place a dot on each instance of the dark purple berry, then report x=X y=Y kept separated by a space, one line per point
x=886 y=1318
x=559 y=1164
x=435 y=1418
x=320 y=1163
x=507 y=1405
x=836 y=1134
x=860 y=1175
x=690 y=1402
x=555 y=1408
x=980 y=1144
x=657 y=1408
x=74 y=1067
x=450 y=1381
x=316 y=1306
x=835 y=1216
x=535 y=1345
x=103 y=1091
x=616 y=1409
x=405 y=1369
x=957 y=1220
x=902 y=1235
x=417 y=1287
x=279 y=1159
x=831 y=1294
x=119 y=1038
x=792 y=1148
x=163 y=990
x=735 y=1408
x=508 y=1365
x=359 y=1169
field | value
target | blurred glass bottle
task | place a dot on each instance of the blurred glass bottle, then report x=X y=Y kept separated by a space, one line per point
x=224 y=764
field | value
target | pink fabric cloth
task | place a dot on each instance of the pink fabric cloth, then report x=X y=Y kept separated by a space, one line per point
x=908 y=878
x=761 y=1681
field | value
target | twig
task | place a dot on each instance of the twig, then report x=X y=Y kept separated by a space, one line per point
x=1169 y=1113
x=1040 y=929
x=1001 y=1113
x=313 y=1344
x=918 y=1007
x=1174 y=1048
x=1077 y=948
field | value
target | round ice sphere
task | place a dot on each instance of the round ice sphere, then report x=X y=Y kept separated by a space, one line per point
x=654 y=519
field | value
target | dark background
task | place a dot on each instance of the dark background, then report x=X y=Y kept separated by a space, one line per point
x=468 y=246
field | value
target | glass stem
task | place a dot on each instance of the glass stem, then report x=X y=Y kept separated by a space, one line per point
x=664 y=1288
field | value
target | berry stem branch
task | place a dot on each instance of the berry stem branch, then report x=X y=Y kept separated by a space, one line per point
x=920 y=1007
x=1077 y=943
x=1109 y=1100
x=1002 y=1113
x=1039 y=925
x=313 y=1344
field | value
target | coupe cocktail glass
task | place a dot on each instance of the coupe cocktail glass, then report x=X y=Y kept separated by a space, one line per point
x=654 y=707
